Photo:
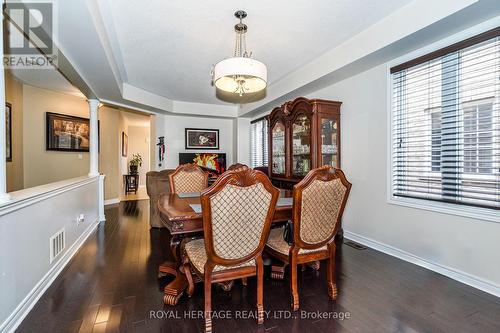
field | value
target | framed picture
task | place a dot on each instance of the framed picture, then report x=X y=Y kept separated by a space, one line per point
x=8 y=131
x=124 y=144
x=199 y=138
x=67 y=133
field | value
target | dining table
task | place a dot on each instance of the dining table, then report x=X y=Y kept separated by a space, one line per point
x=184 y=223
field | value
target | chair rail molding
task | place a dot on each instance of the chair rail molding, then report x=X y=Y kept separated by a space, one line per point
x=28 y=197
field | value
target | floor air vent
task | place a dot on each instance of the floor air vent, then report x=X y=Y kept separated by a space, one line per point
x=57 y=244
x=355 y=245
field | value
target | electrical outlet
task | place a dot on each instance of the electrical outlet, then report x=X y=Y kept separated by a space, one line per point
x=80 y=219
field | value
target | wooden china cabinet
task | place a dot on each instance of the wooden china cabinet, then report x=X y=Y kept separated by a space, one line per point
x=303 y=134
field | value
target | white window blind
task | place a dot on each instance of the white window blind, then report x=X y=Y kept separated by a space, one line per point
x=259 y=141
x=446 y=124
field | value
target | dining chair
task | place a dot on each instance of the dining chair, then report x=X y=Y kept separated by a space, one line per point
x=188 y=178
x=237 y=213
x=318 y=203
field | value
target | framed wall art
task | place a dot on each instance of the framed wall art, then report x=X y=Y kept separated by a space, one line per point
x=67 y=133
x=124 y=144
x=199 y=138
x=8 y=131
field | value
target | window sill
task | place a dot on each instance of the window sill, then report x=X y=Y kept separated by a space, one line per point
x=484 y=214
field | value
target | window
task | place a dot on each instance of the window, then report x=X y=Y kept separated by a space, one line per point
x=436 y=140
x=259 y=141
x=478 y=138
x=446 y=124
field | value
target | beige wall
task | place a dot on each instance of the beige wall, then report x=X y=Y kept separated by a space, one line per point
x=14 y=96
x=42 y=166
x=49 y=166
x=109 y=151
x=138 y=139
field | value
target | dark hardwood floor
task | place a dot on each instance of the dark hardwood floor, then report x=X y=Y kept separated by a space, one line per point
x=111 y=285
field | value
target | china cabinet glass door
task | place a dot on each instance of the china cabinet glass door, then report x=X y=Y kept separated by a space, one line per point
x=301 y=146
x=278 y=148
x=329 y=144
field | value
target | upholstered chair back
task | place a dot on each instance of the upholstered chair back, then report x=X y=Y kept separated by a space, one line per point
x=237 y=166
x=188 y=178
x=319 y=201
x=237 y=214
x=157 y=183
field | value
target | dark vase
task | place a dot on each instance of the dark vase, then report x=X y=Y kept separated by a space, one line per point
x=133 y=169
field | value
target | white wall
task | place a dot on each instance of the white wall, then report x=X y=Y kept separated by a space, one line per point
x=242 y=140
x=463 y=244
x=26 y=224
x=463 y=248
x=172 y=128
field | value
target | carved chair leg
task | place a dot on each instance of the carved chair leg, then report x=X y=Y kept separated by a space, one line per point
x=278 y=271
x=293 y=284
x=244 y=281
x=330 y=274
x=260 y=291
x=208 y=302
x=186 y=267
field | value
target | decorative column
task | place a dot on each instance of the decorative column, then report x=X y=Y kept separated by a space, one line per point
x=4 y=197
x=94 y=154
x=94 y=140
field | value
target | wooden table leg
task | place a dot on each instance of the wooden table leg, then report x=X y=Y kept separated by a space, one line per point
x=226 y=285
x=315 y=265
x=171 y=267
x=167 y=268
x=175 y=289
x=278 y=271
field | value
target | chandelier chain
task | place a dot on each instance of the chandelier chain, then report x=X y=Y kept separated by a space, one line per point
x=240 y=46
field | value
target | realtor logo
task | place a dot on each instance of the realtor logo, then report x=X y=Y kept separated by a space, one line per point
x=31 y=28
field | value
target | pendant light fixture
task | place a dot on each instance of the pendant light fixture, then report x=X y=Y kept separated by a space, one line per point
x=240 y=74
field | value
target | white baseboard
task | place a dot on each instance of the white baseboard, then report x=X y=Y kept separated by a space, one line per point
x=22 y=310
x=111 y=201
x=452 y=273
